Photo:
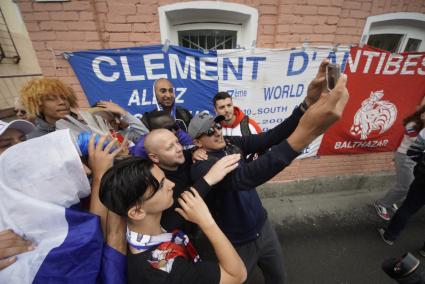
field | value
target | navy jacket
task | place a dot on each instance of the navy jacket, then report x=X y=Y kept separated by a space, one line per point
x=234 y=201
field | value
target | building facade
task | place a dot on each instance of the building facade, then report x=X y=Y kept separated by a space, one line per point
x=57 y=26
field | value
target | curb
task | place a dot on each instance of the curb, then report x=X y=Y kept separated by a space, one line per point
x=376 y=182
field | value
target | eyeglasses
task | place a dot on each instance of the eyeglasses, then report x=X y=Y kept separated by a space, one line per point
x=211 y=130
x=164 y=90
x=21 y=111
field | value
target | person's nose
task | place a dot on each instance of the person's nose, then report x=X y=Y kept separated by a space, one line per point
x=61 y=100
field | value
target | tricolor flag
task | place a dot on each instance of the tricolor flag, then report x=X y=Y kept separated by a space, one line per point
x=41 y=183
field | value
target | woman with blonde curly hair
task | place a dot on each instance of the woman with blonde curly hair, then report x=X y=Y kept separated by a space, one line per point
x=47 y=100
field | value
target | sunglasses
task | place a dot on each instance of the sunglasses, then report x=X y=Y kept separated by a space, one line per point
x=211 y=130
x=20 y=111
x=164 y=90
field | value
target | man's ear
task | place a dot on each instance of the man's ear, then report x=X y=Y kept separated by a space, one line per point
x=153 y=157
x=136 y=213
x=197 y=143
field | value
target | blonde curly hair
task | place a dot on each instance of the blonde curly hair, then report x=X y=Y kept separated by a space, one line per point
x=33 y=93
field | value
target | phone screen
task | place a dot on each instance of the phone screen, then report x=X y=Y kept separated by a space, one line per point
x=333 y=71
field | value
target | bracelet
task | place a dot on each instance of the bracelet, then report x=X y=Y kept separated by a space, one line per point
x=304 y=106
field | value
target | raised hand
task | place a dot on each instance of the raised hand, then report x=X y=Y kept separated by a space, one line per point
x=194 y=209
x=199 y=155
x=101 y=158
x=221 y=168
x=316 y=87
x=112 y=107
x=320 y=116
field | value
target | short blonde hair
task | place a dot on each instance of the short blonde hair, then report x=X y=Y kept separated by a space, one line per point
x=34 y=91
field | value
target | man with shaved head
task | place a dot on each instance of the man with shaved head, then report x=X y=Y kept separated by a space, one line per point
x=165 y=150
x=165 y=100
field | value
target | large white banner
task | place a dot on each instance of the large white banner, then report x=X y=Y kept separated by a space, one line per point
x=267 y=84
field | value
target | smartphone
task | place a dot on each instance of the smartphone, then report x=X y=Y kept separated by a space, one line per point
x=333 y=71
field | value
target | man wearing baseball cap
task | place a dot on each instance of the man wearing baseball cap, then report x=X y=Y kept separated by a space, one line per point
x=13 y=133
x=234 y=201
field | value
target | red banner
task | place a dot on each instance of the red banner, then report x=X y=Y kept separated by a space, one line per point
x=384 y=88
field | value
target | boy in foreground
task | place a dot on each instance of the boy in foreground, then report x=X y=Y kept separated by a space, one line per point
x=138 y=190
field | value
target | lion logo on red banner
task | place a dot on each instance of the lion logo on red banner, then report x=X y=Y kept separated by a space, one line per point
x=373 y=115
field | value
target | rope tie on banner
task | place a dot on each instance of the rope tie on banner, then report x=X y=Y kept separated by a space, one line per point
x=166 y=46
x=305 y=45
x=55 y=54
x=253 y=46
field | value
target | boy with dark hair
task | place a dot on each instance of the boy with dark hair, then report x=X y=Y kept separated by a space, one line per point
x=138 y=190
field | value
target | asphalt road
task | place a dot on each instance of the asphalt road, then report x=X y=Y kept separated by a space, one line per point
x=332 y=238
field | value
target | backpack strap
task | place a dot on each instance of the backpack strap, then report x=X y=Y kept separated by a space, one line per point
x=245 y=126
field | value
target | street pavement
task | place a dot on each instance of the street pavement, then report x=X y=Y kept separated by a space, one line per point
x=332 y=237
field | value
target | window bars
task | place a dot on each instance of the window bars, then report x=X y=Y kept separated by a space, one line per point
x=208 y=39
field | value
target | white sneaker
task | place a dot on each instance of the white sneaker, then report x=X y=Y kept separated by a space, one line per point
x=394 y=208
x=382 y=211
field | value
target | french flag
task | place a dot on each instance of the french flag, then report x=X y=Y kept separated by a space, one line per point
x=41 y=184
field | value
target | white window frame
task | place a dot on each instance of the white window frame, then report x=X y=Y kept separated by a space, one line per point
x=245 y=22
x=395 y=28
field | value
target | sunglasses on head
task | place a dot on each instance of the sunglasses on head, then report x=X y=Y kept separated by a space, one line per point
x=211 y=130
x=164 y=90
x=172 y=127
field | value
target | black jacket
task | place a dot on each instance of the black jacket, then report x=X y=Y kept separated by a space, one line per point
x=234 y=201
x=183 y=118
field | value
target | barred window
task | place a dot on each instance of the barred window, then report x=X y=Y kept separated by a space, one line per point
x=208 y=39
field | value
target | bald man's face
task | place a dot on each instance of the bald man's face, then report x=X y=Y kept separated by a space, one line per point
x=164 y=149
x=164 y=93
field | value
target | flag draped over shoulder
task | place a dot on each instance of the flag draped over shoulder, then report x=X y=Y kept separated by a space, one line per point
x=41 y=183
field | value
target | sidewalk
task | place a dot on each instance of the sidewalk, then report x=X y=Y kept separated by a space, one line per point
x=347 y=197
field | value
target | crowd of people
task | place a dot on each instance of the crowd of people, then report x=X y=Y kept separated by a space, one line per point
x=156 y=185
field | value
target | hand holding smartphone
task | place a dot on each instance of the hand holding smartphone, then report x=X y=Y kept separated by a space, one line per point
x=333 y=72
